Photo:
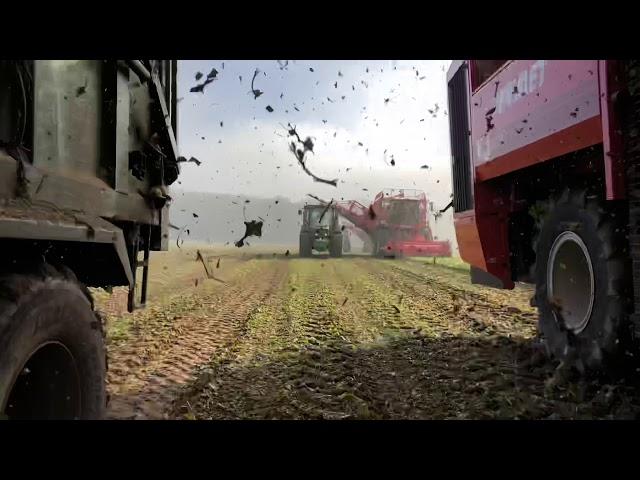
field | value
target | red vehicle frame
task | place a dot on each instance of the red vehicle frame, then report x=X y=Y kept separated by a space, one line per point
x=411 y=239
x=522 y=114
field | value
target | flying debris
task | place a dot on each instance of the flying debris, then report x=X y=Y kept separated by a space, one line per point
x=200 y=87
x=325 y=211
x=300 y=153
x=178 y=242
x=256 y=93
x=252 y=228
x=210 y=78
x=191 y=160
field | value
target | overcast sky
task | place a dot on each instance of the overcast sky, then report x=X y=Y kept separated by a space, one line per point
x=384 y=108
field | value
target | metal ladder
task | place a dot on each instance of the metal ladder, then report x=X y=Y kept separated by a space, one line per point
x=136 y=263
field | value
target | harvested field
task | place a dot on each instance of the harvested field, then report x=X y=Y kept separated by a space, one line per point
x=281 y=337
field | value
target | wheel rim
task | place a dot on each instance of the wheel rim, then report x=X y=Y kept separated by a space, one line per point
x=570 y=280
x=47 y=387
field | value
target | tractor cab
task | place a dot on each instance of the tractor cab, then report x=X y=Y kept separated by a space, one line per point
x=320 y=231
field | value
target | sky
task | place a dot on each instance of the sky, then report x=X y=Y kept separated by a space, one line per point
x=395 y=109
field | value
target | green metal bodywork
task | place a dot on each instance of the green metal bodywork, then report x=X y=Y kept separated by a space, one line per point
x=321 y=242
x=320 y=222
x=70 y=179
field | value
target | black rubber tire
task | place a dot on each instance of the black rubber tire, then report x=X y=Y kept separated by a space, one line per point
x=36 y=310
x=346 y=243
x=368 y=246
x=603 y=233
x=335 y=245
x=306 y=245
x=381 y=236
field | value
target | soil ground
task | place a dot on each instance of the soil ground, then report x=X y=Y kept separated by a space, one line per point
x=274 y=336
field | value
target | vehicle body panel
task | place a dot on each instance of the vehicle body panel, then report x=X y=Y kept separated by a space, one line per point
x=526 y=113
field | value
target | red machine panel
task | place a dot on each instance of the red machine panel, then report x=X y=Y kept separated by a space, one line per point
x=521 y=113
x=397 y=223
x=533 y=110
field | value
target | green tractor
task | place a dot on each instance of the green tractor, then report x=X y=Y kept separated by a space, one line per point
x=320 y=231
